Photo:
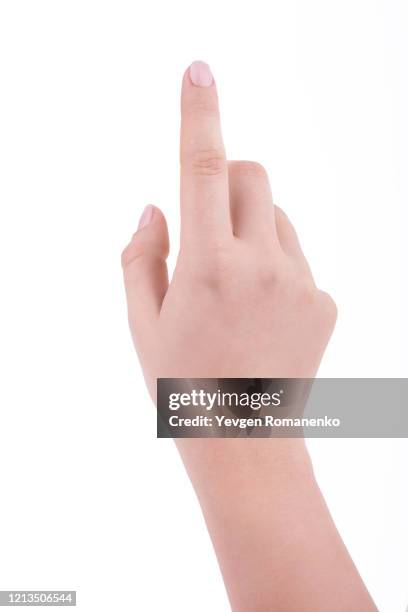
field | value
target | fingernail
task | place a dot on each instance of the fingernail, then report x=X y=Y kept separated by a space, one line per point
x=146 y=217
x=200 y=74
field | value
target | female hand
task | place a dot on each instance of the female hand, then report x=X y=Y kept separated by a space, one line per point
x=242 y=301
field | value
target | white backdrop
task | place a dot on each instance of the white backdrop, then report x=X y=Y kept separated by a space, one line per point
x=89 y=92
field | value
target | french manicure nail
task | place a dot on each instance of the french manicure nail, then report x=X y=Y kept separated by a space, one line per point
x=200 y=74
x=146 y=217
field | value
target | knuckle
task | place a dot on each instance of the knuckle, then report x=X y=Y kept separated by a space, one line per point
x=278 y=276
x=268 y=279
x=133 y=252
x=280 y=214
x=329 y=307
x=127 y=256
x=250 y=168
x=298 y=289
x=307 y=294
x=208 y=163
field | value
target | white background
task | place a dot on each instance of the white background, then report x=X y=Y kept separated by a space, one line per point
x=317 y=92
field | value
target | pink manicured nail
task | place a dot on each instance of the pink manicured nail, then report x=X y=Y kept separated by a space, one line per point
x=200 y=74
x=146 y=217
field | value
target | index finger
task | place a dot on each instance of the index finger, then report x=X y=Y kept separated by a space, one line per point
x=204 y=170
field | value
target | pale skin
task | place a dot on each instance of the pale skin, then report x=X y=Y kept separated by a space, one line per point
x=241 y=303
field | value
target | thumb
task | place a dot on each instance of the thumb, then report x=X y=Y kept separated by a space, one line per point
x=145 y=273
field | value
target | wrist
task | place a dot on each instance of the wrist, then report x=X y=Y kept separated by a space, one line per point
x=224 y=469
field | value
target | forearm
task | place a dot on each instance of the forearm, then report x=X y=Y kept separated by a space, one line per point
x=277 y=545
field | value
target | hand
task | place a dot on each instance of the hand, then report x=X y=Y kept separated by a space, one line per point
x=242 y=301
